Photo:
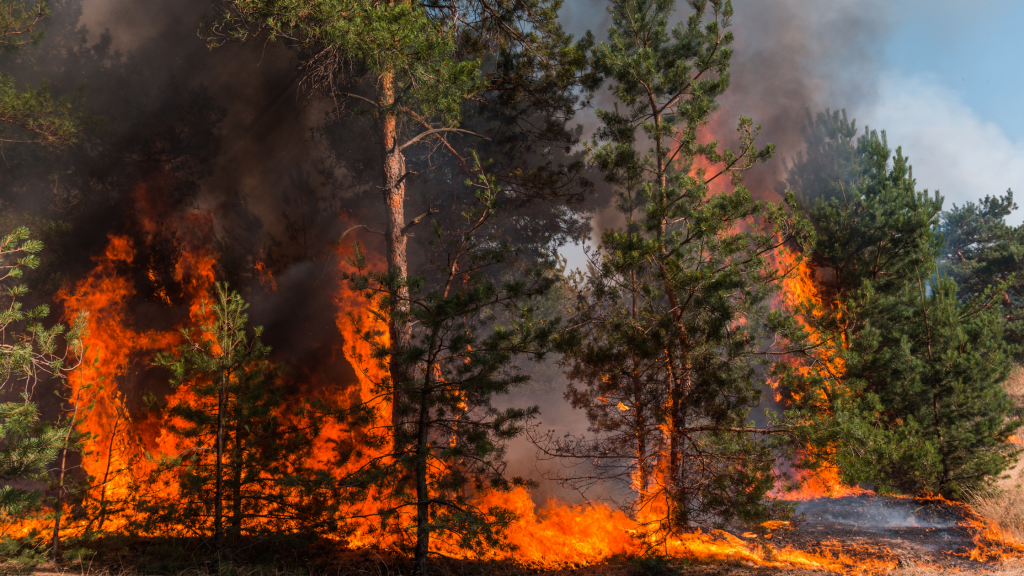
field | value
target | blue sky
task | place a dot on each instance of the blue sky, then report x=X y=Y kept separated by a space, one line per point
x=944 y=78
x=950 y=90
x=978 y=58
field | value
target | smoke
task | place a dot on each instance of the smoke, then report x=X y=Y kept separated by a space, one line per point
x=228 y=133
x=872 y=512
x=789 y=56
x=797 y=55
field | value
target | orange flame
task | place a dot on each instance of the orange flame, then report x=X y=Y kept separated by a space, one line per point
x=110 y=348
x=553 y=536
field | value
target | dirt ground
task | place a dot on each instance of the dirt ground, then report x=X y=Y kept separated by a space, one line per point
x=729 y=569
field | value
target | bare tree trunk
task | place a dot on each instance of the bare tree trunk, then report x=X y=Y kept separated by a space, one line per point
x=58 y=509
x=393 y=190
x=58 y=506
x=236 y=484
x=643 y=475
x=422 y=494
x=218 y=505
x=106 y=474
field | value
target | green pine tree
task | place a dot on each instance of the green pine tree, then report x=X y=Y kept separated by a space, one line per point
x=911 y=400
x=674 y=303
x=29 y=353
x=472 y=331
x=983 y=251
x=31 y=114
x=244 y=469
x=413 y=67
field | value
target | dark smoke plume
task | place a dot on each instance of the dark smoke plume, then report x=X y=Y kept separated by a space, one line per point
x=789 y=56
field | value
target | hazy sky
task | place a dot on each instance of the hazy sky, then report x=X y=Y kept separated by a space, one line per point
x=944 y=78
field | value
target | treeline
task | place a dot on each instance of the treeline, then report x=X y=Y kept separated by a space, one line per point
x=892 y=377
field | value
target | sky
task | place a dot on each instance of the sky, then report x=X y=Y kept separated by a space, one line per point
x=943 y=78
x=949 y=88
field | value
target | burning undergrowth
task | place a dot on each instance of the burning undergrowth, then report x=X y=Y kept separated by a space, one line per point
x=854 y=532
x=149 y=261
x=151 y=280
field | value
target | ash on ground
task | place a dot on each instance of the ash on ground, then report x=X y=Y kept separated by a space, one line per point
x=904 y=530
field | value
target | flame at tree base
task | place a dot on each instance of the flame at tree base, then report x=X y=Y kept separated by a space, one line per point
x=558 y=536
x=552 y=537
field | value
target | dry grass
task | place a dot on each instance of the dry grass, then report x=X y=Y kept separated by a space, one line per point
x=1005 y=505
x=1014 y=386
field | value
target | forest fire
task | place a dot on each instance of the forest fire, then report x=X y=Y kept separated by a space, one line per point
x=110 y=350
x=549 y=537
x=122 y=451
x=774 y=368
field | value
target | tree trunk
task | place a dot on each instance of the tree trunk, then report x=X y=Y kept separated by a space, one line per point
x=422 y=494
x=58 y=506
x=236 y=484
x=393 y=190
x=944 y=480
x=106 y=475
x=676 y=417
x=218 y=504
x=679 y=385
x=643 y=475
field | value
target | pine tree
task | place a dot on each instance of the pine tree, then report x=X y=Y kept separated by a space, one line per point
x=246 y=444
x=33 y=114
x=909 y=396
x=30 y=447
x=872 y=223
x=674 y=303
x=462 y=357
x=413 y=66
x=982 y=251
x=29 y=353
x=213 y=361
